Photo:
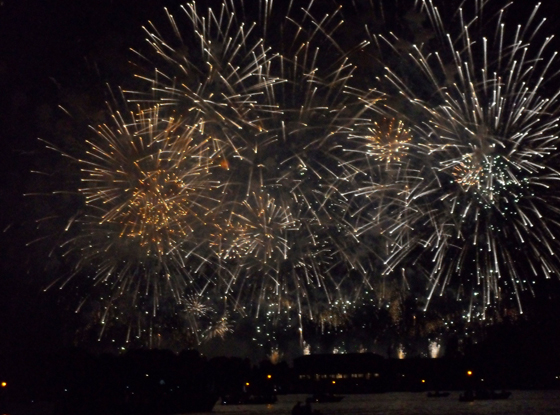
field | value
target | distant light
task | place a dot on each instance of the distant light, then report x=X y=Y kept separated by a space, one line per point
x=4 y=384
x=269 y=376
x=247 y=384
x=334 y=381
x=423 y=381
x=469 y=372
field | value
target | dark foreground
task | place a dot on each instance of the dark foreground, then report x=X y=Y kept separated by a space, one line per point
x=157 y=382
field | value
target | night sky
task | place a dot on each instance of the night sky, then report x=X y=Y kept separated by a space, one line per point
x=51 y=52
x=63 y=52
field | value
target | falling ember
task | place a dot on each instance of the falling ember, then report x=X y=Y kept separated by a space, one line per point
x=401 y=352
x=224 y=164
x=219 y=328
x=275 y=356
x=434 y=348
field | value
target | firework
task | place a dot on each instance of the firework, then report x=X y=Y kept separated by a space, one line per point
x=210 y=66
x=278 y=117
x=257 y=229
x=479 y=194
x=196 y=305
x=148 y=194
x=219 y=328
x=434 y=349
x=255 y=176
x=389 y=141
x=149 y=187
x=222 y=182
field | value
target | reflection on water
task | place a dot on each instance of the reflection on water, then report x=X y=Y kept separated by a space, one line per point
x=521 y=403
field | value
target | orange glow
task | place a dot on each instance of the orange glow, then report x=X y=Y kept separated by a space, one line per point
x=334 y=381
x=423 y=381
x=224 y=164
x=269 y=376
x=4 y=384
x=247 y=384
x=469 y=372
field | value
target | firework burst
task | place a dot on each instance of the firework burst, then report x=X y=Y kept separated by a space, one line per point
x=148 y=194
x=481 y=199
x=258 y=229
x=389 y=141
x=213 y=66
x=223 y=180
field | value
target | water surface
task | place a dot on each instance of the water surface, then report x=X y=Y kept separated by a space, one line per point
x=520 y=403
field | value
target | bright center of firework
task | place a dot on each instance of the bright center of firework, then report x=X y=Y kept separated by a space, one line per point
x=389 y=140
x=146 y=187
x=155 y=210
x=157 y=200
x=194 y=304
x=490 y=177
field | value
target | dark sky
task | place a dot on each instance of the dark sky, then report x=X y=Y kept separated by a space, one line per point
x=55 y=52
x=51 y=52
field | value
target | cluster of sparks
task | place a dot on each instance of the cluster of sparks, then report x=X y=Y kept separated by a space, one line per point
x=388 y=141
x=266 y=178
